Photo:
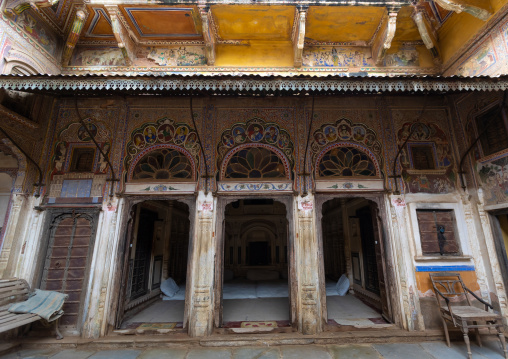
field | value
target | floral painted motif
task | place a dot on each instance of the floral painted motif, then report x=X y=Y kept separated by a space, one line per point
x=258 y=132
x=160 y=144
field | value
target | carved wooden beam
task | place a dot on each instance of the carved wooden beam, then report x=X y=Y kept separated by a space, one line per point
x=208 y=34
x=299 y=35
x=427 y=35
x=383 y=40
x=125 y=43
x=452 y=5
x=73 y=37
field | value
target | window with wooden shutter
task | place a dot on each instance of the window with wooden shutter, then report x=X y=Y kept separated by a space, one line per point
x=423 y=157
x=493 y=132
x=437 y=232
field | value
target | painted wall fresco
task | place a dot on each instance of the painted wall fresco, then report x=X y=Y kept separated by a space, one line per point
x=93 y=56
x=440 y=176
x=164 y=133
x=34 y=27
x=177 y=55
x=75 y=136
x=346 y=134
x=364 y=124
x=257 y=132
x=321 y=56
x=407 y=56
x=489 y=57
x=489 y=172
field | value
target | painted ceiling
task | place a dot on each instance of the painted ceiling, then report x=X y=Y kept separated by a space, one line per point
x=248 y=33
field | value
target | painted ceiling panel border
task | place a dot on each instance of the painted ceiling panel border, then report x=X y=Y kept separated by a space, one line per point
x=188 y=10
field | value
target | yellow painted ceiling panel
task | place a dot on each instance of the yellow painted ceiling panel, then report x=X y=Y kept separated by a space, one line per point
x=342 y=23
x=254 y=22
x=256 y=54
x=406 y=29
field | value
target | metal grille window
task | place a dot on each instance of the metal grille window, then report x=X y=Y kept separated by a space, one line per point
x=437 y=232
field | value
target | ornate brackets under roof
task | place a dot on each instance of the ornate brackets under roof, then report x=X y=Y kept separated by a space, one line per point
x=73 y=37
x=208 y=34
x=125 y=43
x=298 y=38
x=383 y=39
x=427 y=35
x=453 y=5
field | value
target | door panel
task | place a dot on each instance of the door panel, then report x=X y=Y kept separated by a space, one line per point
x=66 y=267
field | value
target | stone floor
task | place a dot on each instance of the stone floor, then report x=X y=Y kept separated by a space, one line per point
x=429 y=350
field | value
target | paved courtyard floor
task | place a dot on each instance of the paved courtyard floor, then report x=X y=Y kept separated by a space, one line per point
x=426 y=350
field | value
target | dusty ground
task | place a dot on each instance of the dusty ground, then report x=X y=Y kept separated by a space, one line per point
x=425 y=350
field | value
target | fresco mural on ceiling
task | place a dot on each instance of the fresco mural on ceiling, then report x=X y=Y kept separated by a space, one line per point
x=163 y=133
x=356 y=57
x=93 y=56
x=75 y=136
x=177 y=55
x=489 y=58
x=37 y=30
x=255 y=131
x=321 y=56
x=426 y=159
x=404 y=57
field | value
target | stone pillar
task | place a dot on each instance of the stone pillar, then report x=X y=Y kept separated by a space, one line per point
x=101 y=297
x=14 y=234
x=306 y=262
x=408 y=309
x=200 y=292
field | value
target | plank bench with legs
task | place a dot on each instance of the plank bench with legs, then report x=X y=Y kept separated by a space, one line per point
x=14 y=291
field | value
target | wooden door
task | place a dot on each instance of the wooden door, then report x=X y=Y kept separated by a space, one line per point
x=143 y=253
x=380 y=262
x=66 y=267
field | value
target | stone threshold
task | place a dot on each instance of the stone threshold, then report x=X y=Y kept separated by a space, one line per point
x=239 y=340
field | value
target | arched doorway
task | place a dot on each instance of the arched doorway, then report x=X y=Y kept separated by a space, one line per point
x=352 y=247
x=157 y=261
x=255 y=261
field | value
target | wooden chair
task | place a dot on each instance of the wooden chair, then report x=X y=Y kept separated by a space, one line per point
x=449 y=286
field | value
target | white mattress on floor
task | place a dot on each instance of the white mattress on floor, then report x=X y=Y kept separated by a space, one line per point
x=246 y=289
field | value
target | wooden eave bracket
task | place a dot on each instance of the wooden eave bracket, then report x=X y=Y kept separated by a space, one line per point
x=74 y=34
x=125 y=43
x=299 y=35
x=428 y=37
x=208 y=34
x=452 y=5
x=383 y=40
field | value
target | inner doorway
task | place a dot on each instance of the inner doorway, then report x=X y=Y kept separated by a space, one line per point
x=352 y=249
x=255 y=273
x=157 y=263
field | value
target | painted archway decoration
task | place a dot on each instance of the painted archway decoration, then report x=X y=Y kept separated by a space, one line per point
x=163 y=162
x=255 y=161
x=259 y=156
x=171 y=153
x=255 y=131
x=347 y=156
x=346 y=159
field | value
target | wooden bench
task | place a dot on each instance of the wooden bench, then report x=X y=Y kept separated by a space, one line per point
x=13 y=291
